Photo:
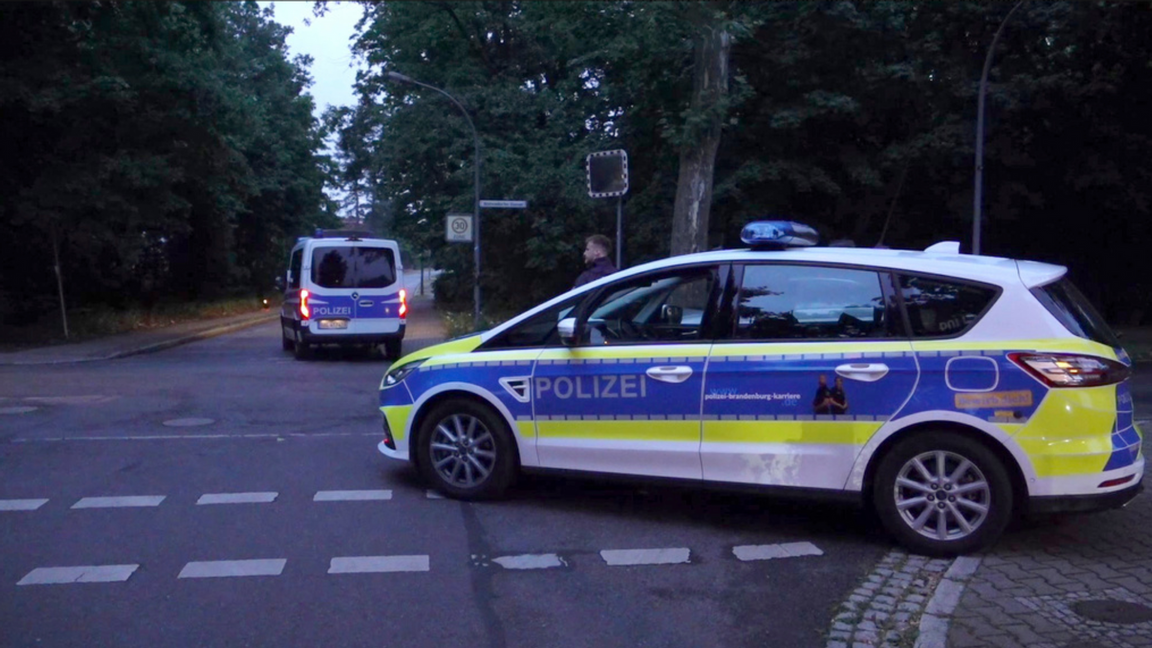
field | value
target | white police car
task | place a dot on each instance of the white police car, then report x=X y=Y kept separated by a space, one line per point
x=344 y=287
x=950 y=391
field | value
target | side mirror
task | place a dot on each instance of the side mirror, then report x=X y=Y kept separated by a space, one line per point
x=279 y=283
x=670 y=314
x=567 y=330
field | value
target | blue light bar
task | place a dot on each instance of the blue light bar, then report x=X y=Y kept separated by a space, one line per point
x=778 y=234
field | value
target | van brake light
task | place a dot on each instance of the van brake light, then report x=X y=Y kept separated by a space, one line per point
x=305 y=310
x=1070 y=370
x=403 y=303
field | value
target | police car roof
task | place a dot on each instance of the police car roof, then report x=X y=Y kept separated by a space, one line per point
x=963 y=266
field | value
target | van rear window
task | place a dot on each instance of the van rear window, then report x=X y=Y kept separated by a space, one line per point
x=353 y=267
x=1075 y=312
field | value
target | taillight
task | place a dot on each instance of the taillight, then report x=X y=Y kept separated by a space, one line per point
x=403 y=303
x=1070 y=370
x=305 y=311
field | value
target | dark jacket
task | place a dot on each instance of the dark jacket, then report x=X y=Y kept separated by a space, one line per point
x=601 y=268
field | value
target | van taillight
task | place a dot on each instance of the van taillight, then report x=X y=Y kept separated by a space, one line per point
x=1071 y=370
x=305 y=311
x=403 y=303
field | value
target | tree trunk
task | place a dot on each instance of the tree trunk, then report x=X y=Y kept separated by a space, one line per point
x=698 y=153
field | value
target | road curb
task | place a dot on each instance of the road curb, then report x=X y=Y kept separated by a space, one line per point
x=152 y=348
x=937 y=614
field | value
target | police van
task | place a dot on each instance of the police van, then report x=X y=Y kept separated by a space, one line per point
x=949 y=392
x=344 y=287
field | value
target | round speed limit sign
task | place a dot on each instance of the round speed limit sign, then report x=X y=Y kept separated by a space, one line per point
x=459 y=228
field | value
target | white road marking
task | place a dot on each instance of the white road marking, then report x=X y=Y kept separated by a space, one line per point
x=768 y=552
x=189 y=422
x=89 y=574
x=70 y=400
x=237 y=498
x=352 y=495
x=433 y=495
x=161 y=437
x=378 y=564
x=18 y=409
x=230 y=568
x=119 y=502
x=530 y=561
x=645 y=556
x=22 y=504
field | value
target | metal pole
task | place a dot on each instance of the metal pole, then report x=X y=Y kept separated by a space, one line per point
x=476 y=197
x=59 y=280
x=978 y=191
x=619 y=231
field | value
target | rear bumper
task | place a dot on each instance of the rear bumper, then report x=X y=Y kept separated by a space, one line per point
x=336 y=337
x=1084 y=503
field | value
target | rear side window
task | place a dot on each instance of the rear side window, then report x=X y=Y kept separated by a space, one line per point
x=294 y=269
x=811 y=303
x=943 y=308
x=1075 y=312
x=353 y=267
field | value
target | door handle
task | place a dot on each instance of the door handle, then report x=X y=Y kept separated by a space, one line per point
x=863 y=371
x=672 y=375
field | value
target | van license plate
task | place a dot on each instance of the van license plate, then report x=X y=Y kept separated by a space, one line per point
x=333 y=323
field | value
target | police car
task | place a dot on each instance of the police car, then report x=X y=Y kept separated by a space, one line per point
x=950 y=392
x=344 y=287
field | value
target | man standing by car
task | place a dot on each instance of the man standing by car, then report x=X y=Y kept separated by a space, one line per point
x=596 y=249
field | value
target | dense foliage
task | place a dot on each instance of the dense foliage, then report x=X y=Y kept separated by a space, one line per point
x=167 y=149
x=858 y=118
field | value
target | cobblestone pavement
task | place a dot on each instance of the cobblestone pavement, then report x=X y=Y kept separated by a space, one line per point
x=1081 y=581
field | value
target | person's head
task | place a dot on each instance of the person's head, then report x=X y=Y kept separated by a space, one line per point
x=823 y=380
x=595 y=247
x=839 y=383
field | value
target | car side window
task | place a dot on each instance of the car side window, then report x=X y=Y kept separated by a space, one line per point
x=538 y=330
x=795 y=302
x=669 y=307
x=294 y=269
x=942 y=308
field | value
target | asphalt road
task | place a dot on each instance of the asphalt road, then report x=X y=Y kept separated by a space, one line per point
x=236 y=415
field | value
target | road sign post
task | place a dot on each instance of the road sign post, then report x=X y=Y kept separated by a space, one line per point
x=608 y=178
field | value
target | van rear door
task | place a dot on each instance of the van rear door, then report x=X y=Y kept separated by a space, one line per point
x=378 y=285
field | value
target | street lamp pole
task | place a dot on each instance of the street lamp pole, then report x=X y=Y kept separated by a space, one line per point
x=978 y=192
x=396 y=76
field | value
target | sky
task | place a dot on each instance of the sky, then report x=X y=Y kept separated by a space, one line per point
x=326 y=40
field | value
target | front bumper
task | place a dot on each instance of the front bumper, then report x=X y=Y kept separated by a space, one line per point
x=390 y=453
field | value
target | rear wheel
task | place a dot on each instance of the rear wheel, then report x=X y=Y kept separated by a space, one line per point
x=466 y=450
x=286 y=342
x=393 y=349
x=943 y=494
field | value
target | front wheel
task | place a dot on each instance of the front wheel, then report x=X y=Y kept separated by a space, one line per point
x=466 y=450
x=392 y=349
x=943 y=494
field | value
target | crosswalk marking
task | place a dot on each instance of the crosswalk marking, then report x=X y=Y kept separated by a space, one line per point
x=378 y=564
x=237 y=498
x=231 y=568
x=119 y=502
x=86 y=574
x=768 y=552
x=616 y=557
x=22 y=504
x=352 y=495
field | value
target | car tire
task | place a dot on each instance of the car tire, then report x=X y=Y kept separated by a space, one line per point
x=466 y=451
x=302 y=350
x=955 y=507
x=393 y=349
x=285 y=342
